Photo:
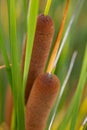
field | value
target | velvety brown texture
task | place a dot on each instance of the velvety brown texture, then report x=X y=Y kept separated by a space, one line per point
x=8 y=106
x=41 y=47
x=42 y=97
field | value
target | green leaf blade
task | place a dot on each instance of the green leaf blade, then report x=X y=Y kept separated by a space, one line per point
x=32 y=18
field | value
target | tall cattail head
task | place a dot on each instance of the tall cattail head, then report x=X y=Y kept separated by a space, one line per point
x=41 y=47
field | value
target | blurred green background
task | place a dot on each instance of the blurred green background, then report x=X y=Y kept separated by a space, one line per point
x=77 y=40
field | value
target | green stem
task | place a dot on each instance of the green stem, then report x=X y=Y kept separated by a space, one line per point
x=74 y=106
x=32 y=18
x=16 y=75
x=47 y=7
x=25 y=13
x=5 y=56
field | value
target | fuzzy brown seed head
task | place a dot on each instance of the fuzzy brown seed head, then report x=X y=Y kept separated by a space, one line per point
x=45 y=24
x=49 y=82
x=42 y=97
x=41 y=48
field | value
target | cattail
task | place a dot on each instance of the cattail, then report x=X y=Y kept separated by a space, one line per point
x=8 y=106
x=41 y=47
x=41 y=99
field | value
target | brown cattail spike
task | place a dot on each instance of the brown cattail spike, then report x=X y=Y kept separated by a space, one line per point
x=42 y=97
x=42 y=43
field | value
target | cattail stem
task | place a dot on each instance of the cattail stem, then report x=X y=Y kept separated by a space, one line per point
x=42 y=97
x=56 y=46
x=41 y=47
x=47 y=7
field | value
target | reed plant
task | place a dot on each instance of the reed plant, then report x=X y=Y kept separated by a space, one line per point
x=38 y=72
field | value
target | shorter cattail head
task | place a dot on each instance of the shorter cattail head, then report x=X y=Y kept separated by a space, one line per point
x=41 y=100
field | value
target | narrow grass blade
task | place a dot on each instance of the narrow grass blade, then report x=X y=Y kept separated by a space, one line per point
x=51 y=67
x=47 y=7
x=63 y=88
x=81 y=84
x=25 y=13
x=31 y=23
x=8 y=4
x=16 y=76
x=5 y=56
x=74 y=15
x=76 y=100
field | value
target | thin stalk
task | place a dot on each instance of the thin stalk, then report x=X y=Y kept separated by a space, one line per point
x=47 y=7
x=62 y=89
x=25 y=13
x=56 y=46
x=77 y=97
x=5 y=56
x=82 y=81
x=31 y=23
x=8 y=4
x=73 y=17
x=16 y=76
